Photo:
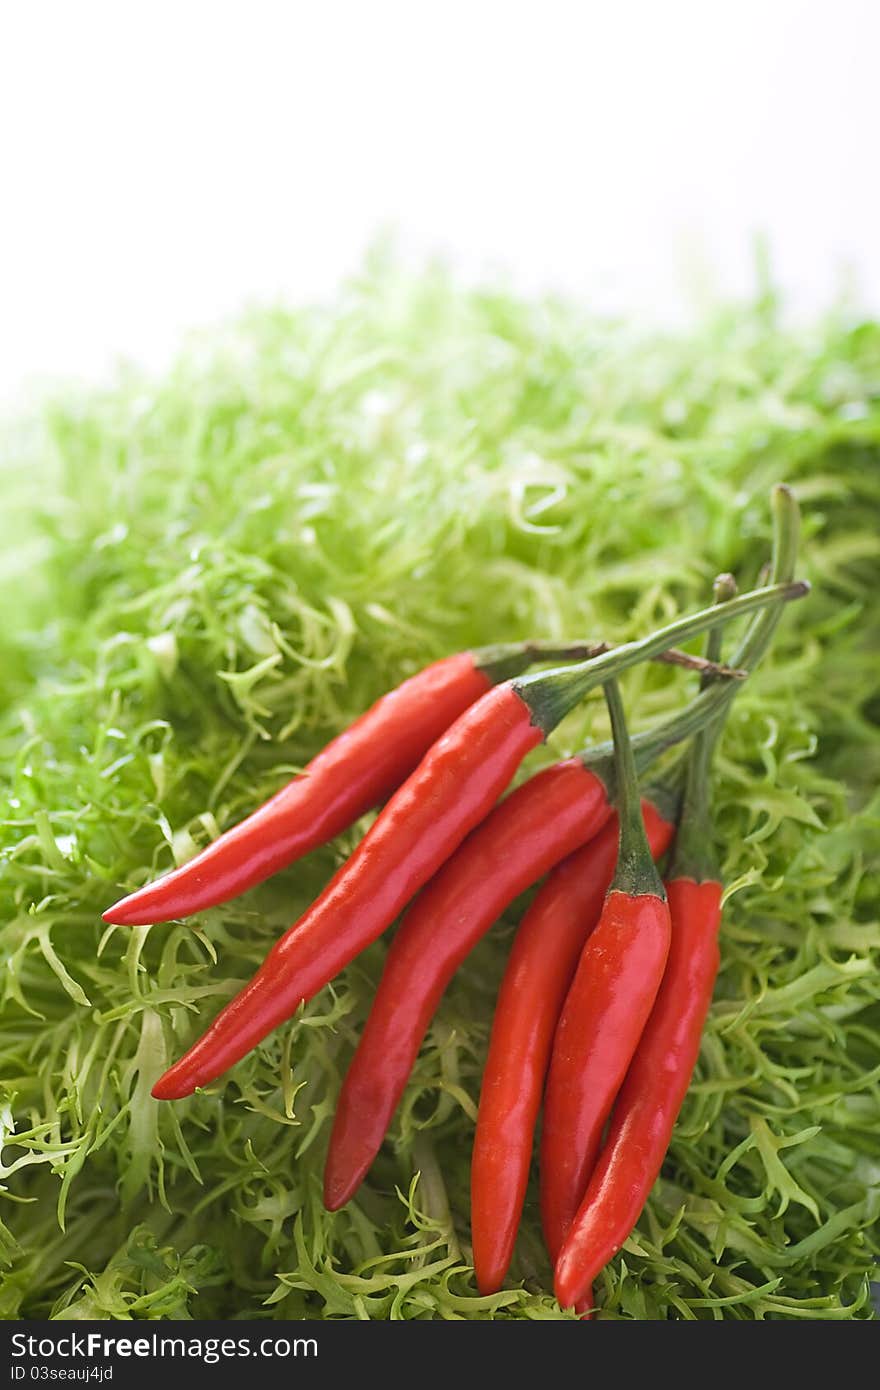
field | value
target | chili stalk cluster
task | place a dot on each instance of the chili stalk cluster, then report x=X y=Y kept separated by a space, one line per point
x=601 y=1009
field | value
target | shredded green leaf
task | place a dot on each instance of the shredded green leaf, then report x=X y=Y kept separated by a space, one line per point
x=208 y=575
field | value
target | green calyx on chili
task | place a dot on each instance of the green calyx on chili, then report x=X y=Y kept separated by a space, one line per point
x=607 y=1005
x=636 y=873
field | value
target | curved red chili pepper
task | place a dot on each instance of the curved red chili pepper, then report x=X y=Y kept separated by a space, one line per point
x=450 y=792
x=349 y=777
x=605 y=1011
x=606 y=1008
x=539 y=972
x=647 y=1106
x=536 y=826
x=650 y=1098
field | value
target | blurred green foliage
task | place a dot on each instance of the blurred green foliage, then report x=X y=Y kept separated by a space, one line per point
x=206 y=576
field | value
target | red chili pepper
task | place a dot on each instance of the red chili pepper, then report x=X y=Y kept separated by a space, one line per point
x=424 y=822
x=656 y=1083
x=539 y=972
x=355 y=772
x=450 y=792
x=606 y=1008
x=536 y=826
x=652 y=1094
x=561 y=1203
x=658 y=1077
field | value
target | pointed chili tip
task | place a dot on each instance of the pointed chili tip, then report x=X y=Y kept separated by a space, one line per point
x=166 y=1088
x=339 y=1188
x=488 y=1282
x=570 y=1291
x=334 y=1200
x=118 y=917
x=125 y=913
x=139 y=909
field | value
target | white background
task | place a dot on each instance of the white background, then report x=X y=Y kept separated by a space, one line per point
x=163 y=164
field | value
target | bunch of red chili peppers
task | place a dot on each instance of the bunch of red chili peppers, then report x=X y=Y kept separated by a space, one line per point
x=601 y=1008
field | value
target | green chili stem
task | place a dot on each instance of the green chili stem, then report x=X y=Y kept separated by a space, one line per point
x=693 y=844
x=506 y=660
x=636 y=872
x=693 y=857
x=723 y=589
x=713 y=703
x=551 y=694
x=786 y=530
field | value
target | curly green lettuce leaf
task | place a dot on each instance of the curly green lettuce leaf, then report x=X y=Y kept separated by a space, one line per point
x=208 y=575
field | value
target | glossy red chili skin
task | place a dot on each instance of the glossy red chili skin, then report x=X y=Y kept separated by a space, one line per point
x=354 y=773
x=605 y=1010
x=536 y=826
x=539 y=973
x=452 y=790
x=651 y=1097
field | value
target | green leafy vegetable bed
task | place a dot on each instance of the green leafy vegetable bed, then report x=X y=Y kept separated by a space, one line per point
x=206 y=576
